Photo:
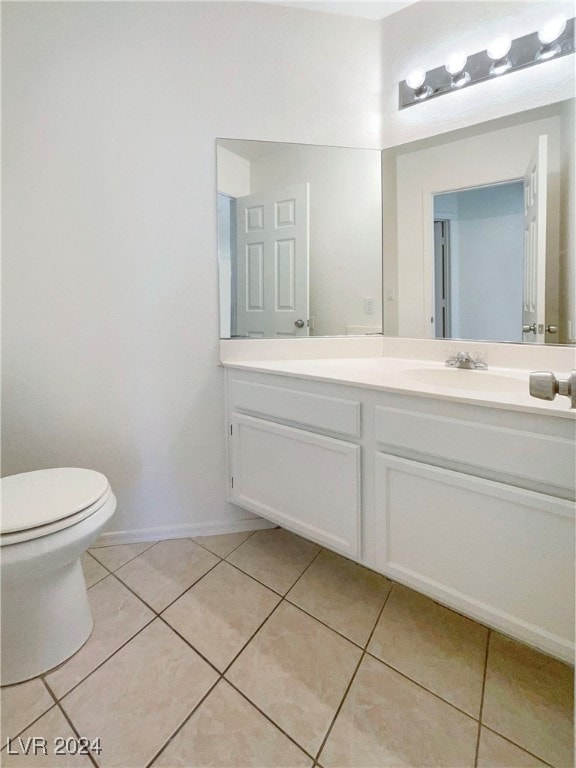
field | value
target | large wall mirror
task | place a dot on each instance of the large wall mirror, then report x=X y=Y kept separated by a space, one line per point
x=477 y=225
x=299 y=240
x=479 y=231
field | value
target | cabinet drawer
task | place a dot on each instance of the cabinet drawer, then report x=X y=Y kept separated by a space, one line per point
x=503 y=555
x=522 y=454
x=305 y=482
x=333 y=414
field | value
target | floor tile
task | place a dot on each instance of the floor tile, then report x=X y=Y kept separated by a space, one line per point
x=119 y=554
x=434 y=646
x=296 y=670
x=220 y=613
x=53 y=725
x=227 y=731
x=93 y=571
x=342 y=594
x=275 y=557
x=21 y=705
x=529 y=699
x=167 y=569
x=496 y=752
x=140 y=696
x=388 y=721
x=224 y=543
x=118 y=615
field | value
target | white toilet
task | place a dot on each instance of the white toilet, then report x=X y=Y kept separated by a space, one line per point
x=49 y=519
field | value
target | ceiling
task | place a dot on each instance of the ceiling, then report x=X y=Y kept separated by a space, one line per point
x=372 y=9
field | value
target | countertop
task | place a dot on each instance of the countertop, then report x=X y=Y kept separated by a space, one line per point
x=505 y=388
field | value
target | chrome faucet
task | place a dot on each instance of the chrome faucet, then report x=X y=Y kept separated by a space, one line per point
x=465 y=360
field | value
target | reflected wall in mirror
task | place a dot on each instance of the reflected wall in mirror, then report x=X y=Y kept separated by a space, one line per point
x=479 y=231
x=299 y=240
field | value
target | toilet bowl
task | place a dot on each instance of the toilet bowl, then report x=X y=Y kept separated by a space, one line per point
x=49 y=519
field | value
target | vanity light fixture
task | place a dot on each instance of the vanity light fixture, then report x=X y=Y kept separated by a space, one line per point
x=456 y=68
x=498 y=52
x=416 y=81
x=548 y=36
x=503 y=55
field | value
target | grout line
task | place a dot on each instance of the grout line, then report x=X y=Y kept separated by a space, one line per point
x=183 y=723
x=532 y=754
x=101 y=566
x=482 y=698
x=331 y=726
x=273 y=722
x=49 y=687
x=282 y=599
x=127 y=561
x=50 y=708
x=189 y=644
x=225 y=534
x=280 y=594
x=76 y=732
x=423 y=687
x=252 y=636
x=130 y=589
x=255 y=579
x=336 y=631
x=104 y=661
x=188 y=588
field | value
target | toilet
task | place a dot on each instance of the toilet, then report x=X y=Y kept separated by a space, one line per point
x=49 y=519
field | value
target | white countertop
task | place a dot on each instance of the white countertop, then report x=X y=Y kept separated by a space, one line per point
x=505 y=388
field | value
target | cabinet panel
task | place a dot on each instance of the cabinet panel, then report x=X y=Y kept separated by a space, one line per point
x=501 y=554
x=333 y=414
x=306 y=482
x=523 y=454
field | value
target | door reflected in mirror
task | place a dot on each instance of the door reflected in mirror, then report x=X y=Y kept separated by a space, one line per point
x=479 y=230
x=299 y=240
x=478 y=263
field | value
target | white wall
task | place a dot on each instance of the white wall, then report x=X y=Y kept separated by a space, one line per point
x=424 y=34
x=345 y=229
x=111 y=111
x=233 y=173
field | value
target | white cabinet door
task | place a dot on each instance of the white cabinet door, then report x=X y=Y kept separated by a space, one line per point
x=500 y=554
x=305 y=482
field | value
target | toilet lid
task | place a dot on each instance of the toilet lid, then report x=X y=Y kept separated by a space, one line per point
x=37 y=498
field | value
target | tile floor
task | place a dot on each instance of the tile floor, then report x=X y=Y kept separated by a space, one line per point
x=262 y=649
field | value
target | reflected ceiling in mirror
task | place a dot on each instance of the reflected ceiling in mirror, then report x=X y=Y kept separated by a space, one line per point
x=479 y=231
x=299 y=240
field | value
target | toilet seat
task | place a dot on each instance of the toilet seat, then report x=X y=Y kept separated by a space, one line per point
x=35 y=504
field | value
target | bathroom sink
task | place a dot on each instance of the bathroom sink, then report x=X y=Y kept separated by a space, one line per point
x=462 y=378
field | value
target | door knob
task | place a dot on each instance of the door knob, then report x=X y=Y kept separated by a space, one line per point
x=551 y=328
x=545 y=386
x=529 y=328
x=299 y=323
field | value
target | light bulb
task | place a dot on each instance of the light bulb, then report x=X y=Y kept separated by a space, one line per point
x=456 y=62
x=499 y=47
x=416 y=79
x=552 y=29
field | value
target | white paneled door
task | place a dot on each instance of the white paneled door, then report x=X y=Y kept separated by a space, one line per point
x=534 y=293
x=273 y=263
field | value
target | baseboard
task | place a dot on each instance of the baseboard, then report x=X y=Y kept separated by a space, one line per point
x=182 y=531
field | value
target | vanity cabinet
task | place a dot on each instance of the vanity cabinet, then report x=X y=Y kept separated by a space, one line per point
x=471 y=505
x=303 y=480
